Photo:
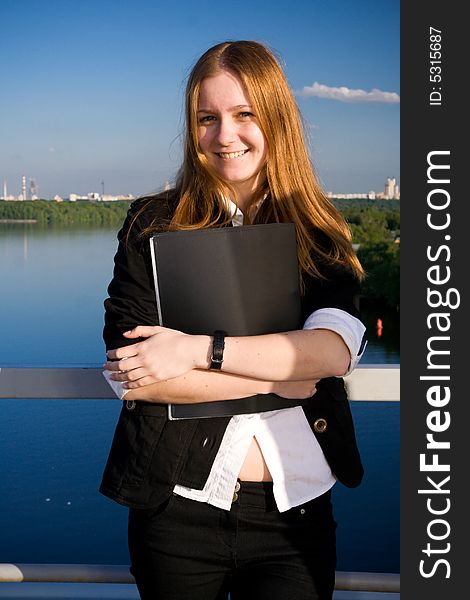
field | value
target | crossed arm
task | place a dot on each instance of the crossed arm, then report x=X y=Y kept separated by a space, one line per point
x=165 y=365
x=170 y=366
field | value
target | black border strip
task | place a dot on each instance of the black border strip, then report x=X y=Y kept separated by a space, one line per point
x=434 y=251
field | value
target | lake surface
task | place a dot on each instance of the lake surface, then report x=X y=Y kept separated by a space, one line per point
x=52 y=452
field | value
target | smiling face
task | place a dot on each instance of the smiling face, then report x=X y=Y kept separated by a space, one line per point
x=229 y=135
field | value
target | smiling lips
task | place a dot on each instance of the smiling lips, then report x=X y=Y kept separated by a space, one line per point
x=232 y=154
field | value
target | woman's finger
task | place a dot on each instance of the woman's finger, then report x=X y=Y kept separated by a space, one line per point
x=123 y=365
x=131 y=375
x=147 y=380
x=143 y=331
x=123 y=352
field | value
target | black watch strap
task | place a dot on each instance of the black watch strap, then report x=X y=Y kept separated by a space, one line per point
x=218 y=344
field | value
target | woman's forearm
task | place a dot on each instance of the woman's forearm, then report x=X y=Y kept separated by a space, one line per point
x=209 y=386
x=168 y=354
x=200 y=386
x=294 y=355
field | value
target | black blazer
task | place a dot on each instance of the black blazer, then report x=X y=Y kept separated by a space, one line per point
x=150 y=454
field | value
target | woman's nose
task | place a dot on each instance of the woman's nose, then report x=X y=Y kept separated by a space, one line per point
x=226 y=133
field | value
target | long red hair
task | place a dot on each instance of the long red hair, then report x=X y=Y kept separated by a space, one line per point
x=290 y=189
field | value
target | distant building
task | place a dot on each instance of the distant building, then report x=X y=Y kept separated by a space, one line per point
x=95 y=197
x=392 y=191
x=109 y=198
x=368 y=195
x=33 y=189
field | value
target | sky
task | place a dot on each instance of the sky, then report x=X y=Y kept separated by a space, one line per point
x=92 y=90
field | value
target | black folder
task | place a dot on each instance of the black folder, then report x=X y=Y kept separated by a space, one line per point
x=242 y=280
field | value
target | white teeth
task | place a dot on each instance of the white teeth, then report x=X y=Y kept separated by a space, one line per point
x=232 y=154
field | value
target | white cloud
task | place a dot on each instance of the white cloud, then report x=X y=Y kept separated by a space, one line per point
x=345 y=94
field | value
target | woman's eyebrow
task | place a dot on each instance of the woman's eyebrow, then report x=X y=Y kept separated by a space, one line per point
x=237 y=107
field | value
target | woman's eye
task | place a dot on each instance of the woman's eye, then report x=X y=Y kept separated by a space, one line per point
x=206 y=119
x=245 y=114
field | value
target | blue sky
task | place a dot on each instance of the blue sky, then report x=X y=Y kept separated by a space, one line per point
x=91 y=90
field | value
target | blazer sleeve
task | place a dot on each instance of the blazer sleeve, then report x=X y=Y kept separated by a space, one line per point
x=339 y=288
x=131 y=292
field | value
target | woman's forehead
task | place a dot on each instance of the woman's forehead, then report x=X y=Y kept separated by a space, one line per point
x=222 y=89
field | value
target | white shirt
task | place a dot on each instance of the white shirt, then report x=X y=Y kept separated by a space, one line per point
x=292 y=453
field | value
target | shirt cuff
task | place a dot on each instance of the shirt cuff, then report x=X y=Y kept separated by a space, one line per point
x=116 y=386
x=348 y=327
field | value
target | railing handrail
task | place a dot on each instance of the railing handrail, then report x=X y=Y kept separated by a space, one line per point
x=82 y=573
x=367 y=382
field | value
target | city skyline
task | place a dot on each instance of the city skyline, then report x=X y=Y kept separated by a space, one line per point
x=391 y=190
x=93 y=93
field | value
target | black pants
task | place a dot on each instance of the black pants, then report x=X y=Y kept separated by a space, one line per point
x=187 y=550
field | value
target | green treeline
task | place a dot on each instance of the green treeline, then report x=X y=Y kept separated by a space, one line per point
x=375 y=225
x=50 y=213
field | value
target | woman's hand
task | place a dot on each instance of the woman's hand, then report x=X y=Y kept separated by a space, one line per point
x=295 y=390
x=166 y=353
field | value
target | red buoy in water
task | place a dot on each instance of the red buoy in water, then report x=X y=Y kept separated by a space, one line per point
x=379 y=327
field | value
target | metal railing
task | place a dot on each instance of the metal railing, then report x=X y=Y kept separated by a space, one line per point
x=366 y=383
x=63 y=573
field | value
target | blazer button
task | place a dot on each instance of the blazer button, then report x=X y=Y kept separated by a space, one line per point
x=320 y=425
x=130 y=404
x=235 y=492
x=207 y=442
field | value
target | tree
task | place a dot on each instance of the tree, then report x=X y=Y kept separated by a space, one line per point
x=381 y=261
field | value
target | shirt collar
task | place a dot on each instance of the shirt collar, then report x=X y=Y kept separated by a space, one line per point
x=236 y=213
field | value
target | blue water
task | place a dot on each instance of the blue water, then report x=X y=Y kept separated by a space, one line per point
x=52 y=452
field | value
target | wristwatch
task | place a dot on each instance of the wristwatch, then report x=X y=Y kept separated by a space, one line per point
x=218 y=344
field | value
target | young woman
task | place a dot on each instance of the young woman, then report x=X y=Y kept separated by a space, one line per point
x=240 y=504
